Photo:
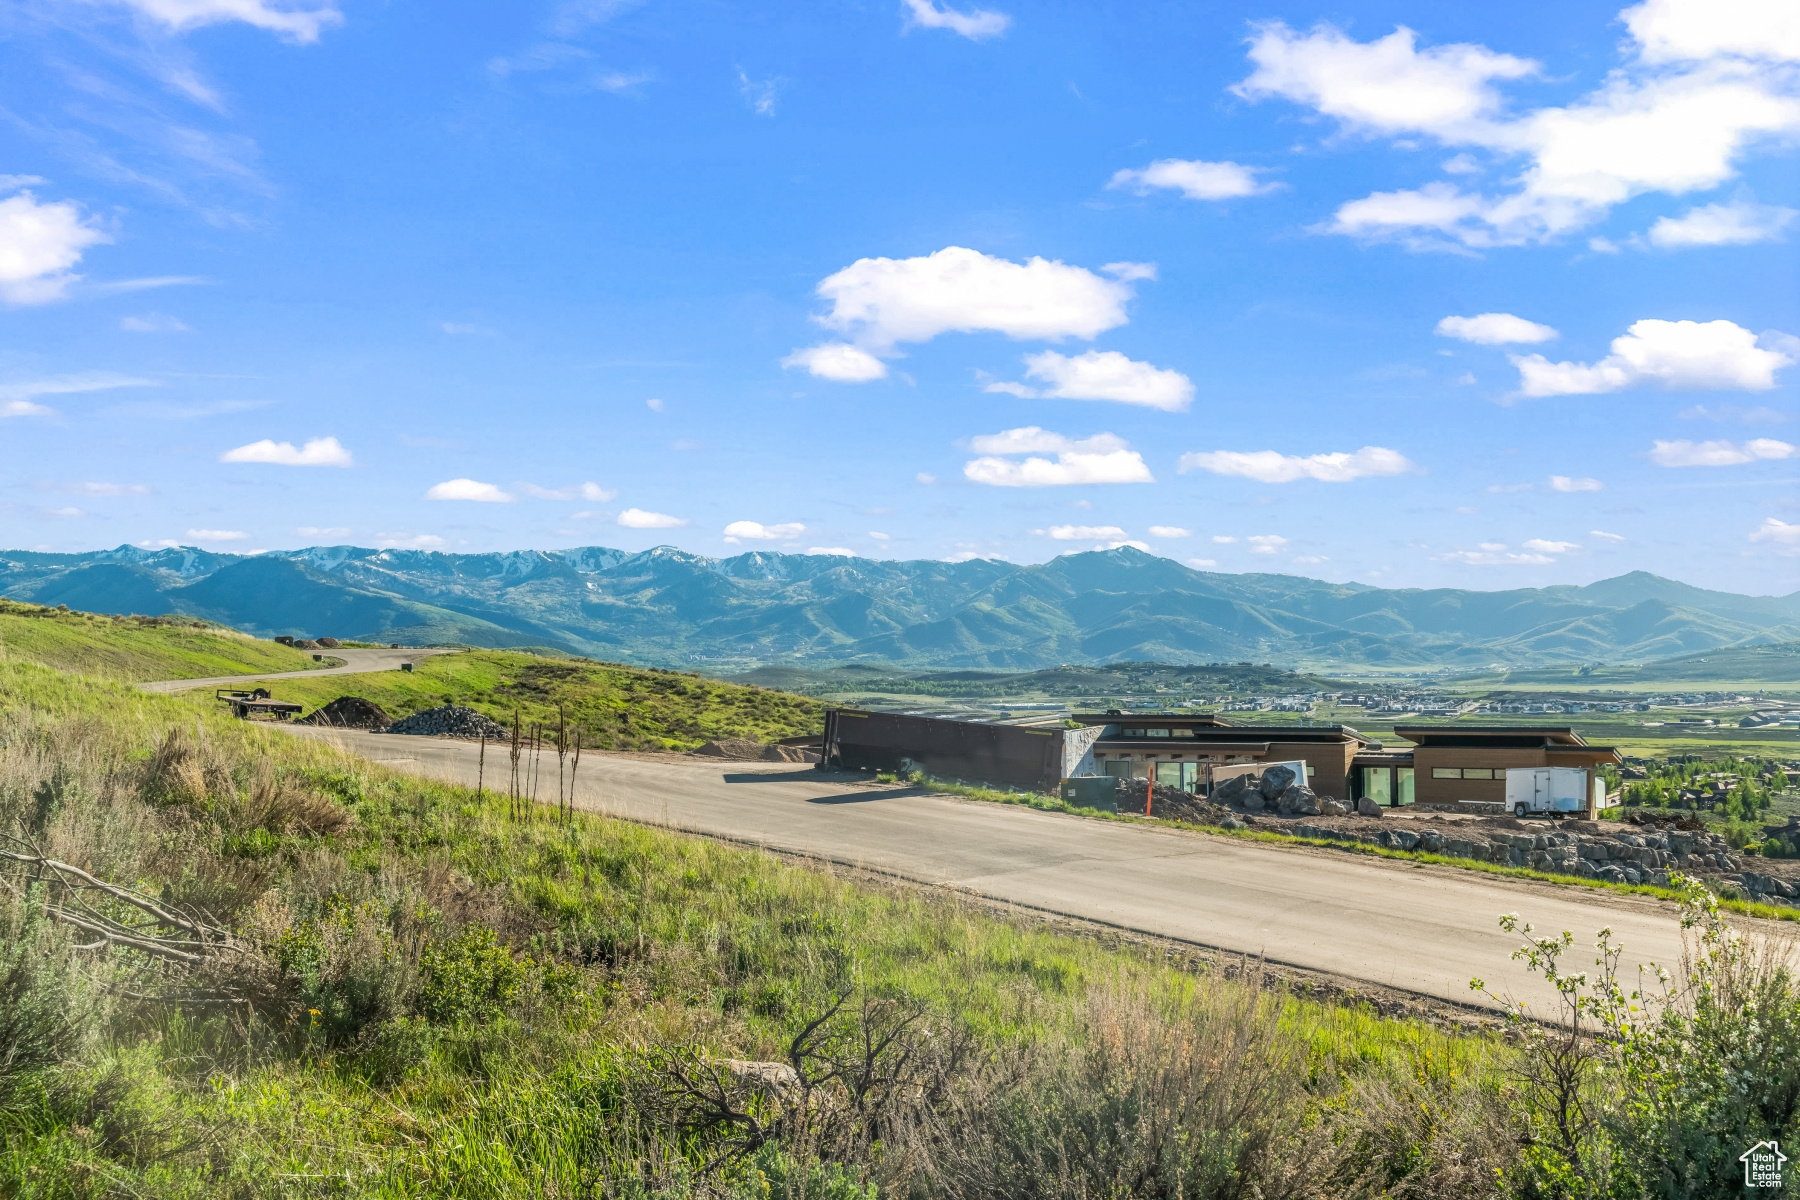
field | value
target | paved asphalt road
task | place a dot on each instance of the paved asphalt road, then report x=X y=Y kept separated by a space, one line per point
x=356 y=662
x=1421 y=929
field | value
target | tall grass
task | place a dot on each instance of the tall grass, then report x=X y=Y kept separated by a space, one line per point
x=423 y=997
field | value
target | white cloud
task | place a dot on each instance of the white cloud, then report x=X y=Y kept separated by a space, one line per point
x=318 y=452
x=1691 y=30
x=1223 y=540
x=468 y=489
x=294 y=22
x=1542 y=546
x=153 y=323
x=1737 y=224
x=655 y=404
x=833 y=360
x=39 y=243
x=880 y=537
x=1193 y=178
x=835 y=551
x=758 y=532
x=1605 y=536
x=1102 y=458
x=1384 y=86
x=1495 y=554
x=637 y=518
x=1494 y=329
x=1266 y=543
x=1675 y=354
x=63 y=514
x=1565 y=483
x=1084 y=533
x=1717 y=454
x=16 y=398
x=1312 y=559
x=1202 y=562
x=882 y=302
x=926 y=478
x=579 y=491
x=761 y=93
x=1272 y=466
x=1677 y=129
x=1102 y=375
x=976 y=26
x=315 y=531
x=217 y=535
x=1170 y=531
x=408 y=541
x=1781 y=536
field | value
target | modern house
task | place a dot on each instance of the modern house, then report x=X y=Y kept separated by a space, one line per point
x=1190 y=751
x=1446 y=764
x=1451 y=764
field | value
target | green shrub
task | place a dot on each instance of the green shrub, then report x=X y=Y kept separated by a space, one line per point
x=469 y=979
x=1656 y=1091
x=46 y=1008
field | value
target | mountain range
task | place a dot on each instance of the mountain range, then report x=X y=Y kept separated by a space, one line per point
x=671 y=608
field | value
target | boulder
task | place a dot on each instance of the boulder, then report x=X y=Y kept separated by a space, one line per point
x=1276 y=780
x=1330 y=806
x=1431 y=841
x=1231 y=791
x=1403 y=839
x=1253 y=802
x=1230 y=821
x=1299 y=801
x=1368 y=808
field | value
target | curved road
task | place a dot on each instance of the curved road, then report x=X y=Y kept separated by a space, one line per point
x=1413 y=927
x=356 y=662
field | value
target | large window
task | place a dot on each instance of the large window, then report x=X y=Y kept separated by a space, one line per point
x=1468 y=772
x=1118 y=768
x=1168 y=774
x=1403 y=784
x=1378 y=784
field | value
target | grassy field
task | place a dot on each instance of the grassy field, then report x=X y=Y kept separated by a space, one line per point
x=137 y=648
x=617 y=707
x=413 y=995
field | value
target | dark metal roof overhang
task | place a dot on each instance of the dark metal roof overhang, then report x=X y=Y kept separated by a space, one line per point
x=1178 y=745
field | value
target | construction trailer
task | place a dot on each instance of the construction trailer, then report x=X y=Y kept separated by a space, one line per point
x=1020 y=756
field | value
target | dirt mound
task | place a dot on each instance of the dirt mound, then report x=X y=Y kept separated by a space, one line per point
x=747 y=750
x=349 y=712
x=450 y=720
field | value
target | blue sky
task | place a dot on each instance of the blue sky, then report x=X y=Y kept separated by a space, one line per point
x=1410 y=294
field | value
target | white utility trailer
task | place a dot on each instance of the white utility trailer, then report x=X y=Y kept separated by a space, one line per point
x=1553 y=790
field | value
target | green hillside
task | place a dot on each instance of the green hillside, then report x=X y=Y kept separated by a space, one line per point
x=617 y=707
x=137 y=648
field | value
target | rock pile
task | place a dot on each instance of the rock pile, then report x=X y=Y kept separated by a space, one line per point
x=349 y=712
x=1580 y=848
x=1278 y=789
x=451 y=720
